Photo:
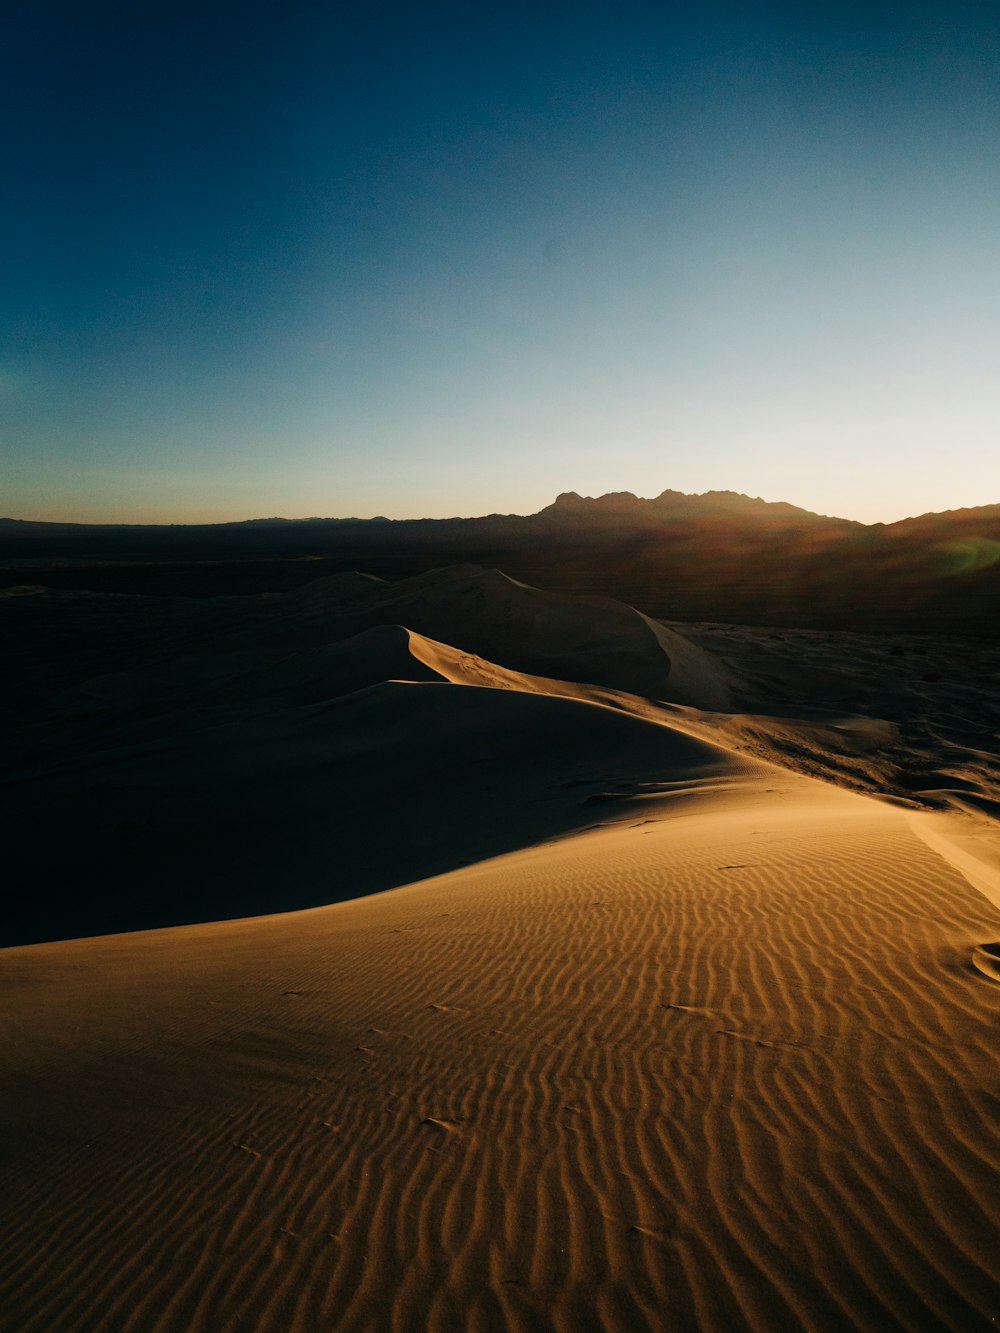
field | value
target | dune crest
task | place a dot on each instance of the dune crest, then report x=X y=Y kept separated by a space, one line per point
x=592 y=640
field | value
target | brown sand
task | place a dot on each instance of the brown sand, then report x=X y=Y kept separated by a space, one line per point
x=712 y=1047
x=723 y=1063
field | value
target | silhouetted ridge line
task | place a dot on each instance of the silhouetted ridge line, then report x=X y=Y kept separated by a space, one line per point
x=720 y=557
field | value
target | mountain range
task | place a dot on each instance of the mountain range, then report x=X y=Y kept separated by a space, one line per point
x=720 y=556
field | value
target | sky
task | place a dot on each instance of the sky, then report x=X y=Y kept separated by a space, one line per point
x=284 y=257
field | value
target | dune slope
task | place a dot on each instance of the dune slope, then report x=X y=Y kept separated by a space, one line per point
x=260 y=807
x=724 y=1062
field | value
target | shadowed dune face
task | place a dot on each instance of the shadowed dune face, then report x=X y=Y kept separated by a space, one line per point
x=56 y=640
x=291 y=805
x=242 y=772
x=217 y=752
x=592 y=640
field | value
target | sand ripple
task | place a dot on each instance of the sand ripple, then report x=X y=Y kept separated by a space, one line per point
x=724 y=1068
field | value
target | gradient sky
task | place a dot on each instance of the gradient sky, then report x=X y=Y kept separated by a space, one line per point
x=308 y=258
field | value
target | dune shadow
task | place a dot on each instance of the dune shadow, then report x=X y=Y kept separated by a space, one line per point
x=307 y=806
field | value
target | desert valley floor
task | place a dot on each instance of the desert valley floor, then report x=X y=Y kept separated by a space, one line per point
x=450 y=955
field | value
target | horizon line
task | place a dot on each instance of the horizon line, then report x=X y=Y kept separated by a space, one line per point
x=567 y=496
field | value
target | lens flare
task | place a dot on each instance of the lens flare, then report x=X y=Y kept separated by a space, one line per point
x=970 y=555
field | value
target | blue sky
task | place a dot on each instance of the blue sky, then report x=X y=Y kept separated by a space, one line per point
x=302 y=258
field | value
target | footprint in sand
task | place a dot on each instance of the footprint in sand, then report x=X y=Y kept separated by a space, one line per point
x=986 y=957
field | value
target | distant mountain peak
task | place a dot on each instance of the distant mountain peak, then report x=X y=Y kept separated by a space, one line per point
x=573 y=502
x=673 y=504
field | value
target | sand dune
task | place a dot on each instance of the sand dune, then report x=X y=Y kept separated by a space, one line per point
x=723 y=1063
x=588 y=639
x=57 y=641
x=271 y=800
x=656 y=1031
x=218 y=777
